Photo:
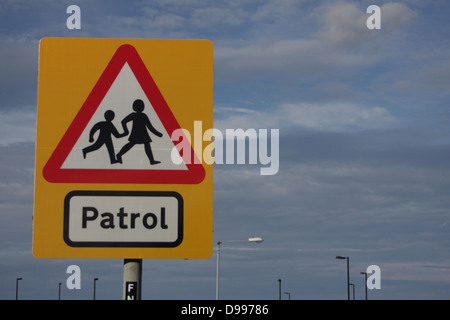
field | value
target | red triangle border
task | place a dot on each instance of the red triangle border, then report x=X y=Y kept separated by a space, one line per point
x=53 y=172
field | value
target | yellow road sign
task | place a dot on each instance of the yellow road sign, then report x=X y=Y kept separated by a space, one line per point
x=111 y=180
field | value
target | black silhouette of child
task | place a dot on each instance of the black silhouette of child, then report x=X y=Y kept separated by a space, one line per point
x=139 y=133
x=106 y=129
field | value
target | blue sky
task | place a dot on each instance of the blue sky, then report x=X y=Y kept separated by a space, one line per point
x=364 y=146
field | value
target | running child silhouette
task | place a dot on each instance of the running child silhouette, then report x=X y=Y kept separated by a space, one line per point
x=139 y=133
x=106 y=130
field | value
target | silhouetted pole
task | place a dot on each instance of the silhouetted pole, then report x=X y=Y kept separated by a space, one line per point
x=365 y=281
x=348 y=274
x=17 y=288
x=353 y=290
x=95 y=280
x=279 y=289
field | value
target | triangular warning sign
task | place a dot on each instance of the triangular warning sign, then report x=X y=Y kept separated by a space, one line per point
x=122 y=132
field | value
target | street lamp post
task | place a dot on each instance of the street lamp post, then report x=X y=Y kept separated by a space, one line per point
x=289 y=295
x=365 y=281
x=17 y=288
x=59 y=291
x=253 y=239
x=279 y=289
x=353 y=290
x=348 y=274
x=95 y=279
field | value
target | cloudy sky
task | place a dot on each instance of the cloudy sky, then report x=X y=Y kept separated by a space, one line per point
x=363 y=118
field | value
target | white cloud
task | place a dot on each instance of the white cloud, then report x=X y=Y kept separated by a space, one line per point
x=396 y=14
x=278 y=9
x=213 y=17
x=322 y=117
x=344 y=23
x=225 y=110
x=305 y=58
x=341 y=43
x=166 y=21
x=335 y=117
x=436 y=271
x=19 y=67
x=17 y=126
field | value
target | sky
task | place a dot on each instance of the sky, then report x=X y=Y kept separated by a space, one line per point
x=364 y=145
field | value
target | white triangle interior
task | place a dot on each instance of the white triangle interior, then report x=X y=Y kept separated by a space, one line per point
x=119 y=98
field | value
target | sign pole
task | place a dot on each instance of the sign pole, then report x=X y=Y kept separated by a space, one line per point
x=132 y=279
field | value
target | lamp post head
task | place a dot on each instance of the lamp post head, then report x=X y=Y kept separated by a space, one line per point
x=256 y=239
x=341 y=257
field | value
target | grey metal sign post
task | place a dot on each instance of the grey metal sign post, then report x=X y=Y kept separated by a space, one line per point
x=132 y=279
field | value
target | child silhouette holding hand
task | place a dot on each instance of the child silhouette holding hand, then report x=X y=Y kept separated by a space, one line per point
x=139 y=133
x=106 y=130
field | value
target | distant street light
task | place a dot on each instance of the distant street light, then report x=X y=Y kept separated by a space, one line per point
x=348 y=274
x=353 y=290
x=95 y=279
x=279 y=289
x=289 y=295
x=59 y=291
x=17 y=288
x=365 y=281
x=253 y=239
